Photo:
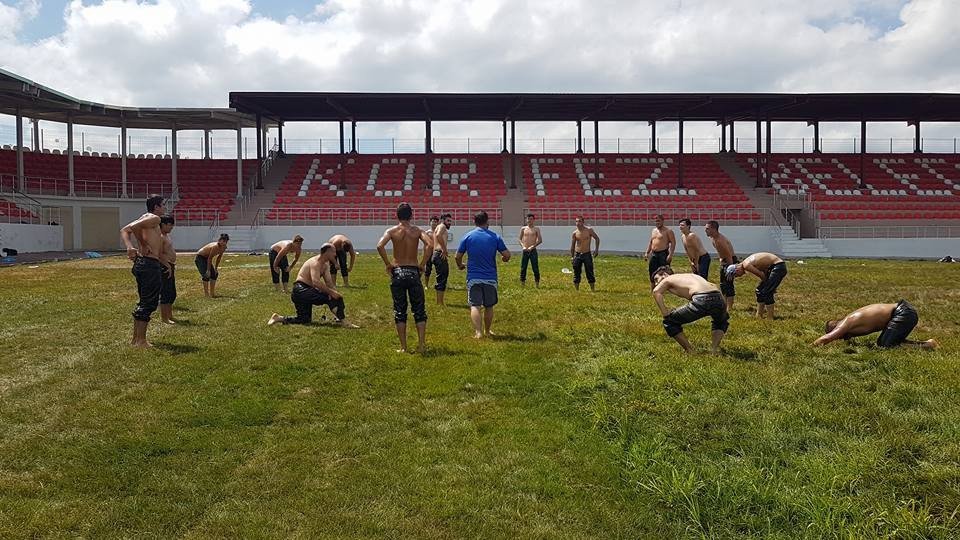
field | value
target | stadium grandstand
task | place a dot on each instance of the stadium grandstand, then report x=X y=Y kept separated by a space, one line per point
x=901 y=202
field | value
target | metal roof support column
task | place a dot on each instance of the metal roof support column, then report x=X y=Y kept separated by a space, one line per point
x=70 y=175
x=596 y=152
x=816 y=137
x=239 y=160
x=723 y=136
x=863 y=149
x=173 y=161
x=766 y=159
x=733 y=139
x=579 y=137
x=680 y=159
x=259 y=152
x=123 y=157
x=280 y=149
x=653 y=136
x=341 y=137
x=917 y=147
x=36 y=135
x=513 y=155
x=353 y=137
x=757 y=158
x=427 y=150
x=206 y=144
x=21 y=181
x=504 y=151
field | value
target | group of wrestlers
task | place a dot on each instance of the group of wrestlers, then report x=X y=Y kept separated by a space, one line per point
x=154 y=261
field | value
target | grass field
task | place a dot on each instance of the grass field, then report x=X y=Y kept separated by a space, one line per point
x=582 y=420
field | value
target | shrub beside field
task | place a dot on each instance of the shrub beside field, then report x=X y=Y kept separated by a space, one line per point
x=581 y=419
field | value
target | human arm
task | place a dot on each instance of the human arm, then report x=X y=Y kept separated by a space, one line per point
x=839 y=332
x=749 y=267
x=595 y=236
x=219 y=257
x=520 y=239
x=459 y=259
x=296 y=257
x=460 y=252
x=671 y=245
x=573 y=244
x=539 y=237
x=646 y=254
x=427 y=245
x=502 y=250
x=353 y=257
x=147 y=220
x=658 y=297
x=382 y=250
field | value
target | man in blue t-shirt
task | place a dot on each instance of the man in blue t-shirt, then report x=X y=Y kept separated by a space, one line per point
x=481 y=246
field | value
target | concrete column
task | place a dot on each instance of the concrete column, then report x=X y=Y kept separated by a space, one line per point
x=579 y=137
x=427 y=147
x=342 y=149
x=504 y=151
x=816 y=137
x=280 y=138
x=680 y=158
x=733 y=139
x=259 y=152
x=596 y=153
x=766 y=159
x=70 y=175
x=723 y=136
x=513 y=155
x=917 y=147
x=36 y=136
x=173 y=162
x=653 y=136
x=353 y=137
x=863 y=149
x=758 y=182
x=21 y=181
x=239 y=160
x=123 y=158
x=77 y=227
x=206 y=144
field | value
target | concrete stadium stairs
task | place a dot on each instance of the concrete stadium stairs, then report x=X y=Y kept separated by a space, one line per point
x=262 y=198
x=793 y=247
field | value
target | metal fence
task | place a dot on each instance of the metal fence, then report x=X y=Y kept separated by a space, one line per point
x=197 y=216
x=600 y=214
x=890 y=231
x=364 y=215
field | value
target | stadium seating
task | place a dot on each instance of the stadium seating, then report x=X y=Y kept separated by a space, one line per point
x=894 y=186
x=623 y=187
x=207 y=187
x=11 y=213
x=378 y=181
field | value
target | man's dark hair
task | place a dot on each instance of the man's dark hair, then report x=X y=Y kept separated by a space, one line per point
x=347 y=246
x=714 y=223
x=686 y=221
x=665 y=269
x=827 y=328
x=434 y=218
x=166 y=219
x=404 y=212
x=480 y=219
x=225 y=237
x=154 y=201
x=531 y=215
x=658 y=216
x=325 y=248
x=447 y=215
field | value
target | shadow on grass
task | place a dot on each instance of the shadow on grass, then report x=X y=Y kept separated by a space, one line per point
x=181 y=308
x=175 y=348
x=435 y=352
x=188 y=323
x=744 y=355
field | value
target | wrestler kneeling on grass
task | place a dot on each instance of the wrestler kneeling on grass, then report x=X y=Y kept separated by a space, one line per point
x=705 y=301
x=314 y=287
x=893 y=321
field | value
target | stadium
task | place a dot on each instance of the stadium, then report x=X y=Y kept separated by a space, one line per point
x=579 y=417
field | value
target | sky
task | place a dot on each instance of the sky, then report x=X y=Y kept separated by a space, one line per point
x=181 y=53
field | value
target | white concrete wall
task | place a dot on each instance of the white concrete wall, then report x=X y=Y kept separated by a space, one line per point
x=894 y=248
x=632 y=240
x=31 y=238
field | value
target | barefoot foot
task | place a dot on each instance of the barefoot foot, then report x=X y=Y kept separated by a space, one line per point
x=274 y=319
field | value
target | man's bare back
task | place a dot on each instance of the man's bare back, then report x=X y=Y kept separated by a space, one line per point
x=406 y=242
x=338 y=241
x=314 y=271
x=686 y=285
x=867 y=320
x=762 y=260
x=211 y=249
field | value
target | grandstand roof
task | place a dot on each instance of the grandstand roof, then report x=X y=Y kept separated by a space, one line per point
x=38 y=101
x=395 y=107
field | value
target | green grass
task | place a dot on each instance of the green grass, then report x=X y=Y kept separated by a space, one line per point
x=582 y=420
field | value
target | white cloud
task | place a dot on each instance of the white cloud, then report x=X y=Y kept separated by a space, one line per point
x=187 y=53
